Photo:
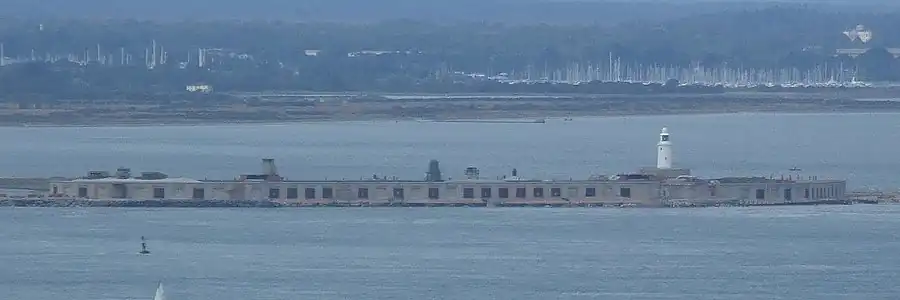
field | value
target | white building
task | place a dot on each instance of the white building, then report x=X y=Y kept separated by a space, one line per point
x=199 y=88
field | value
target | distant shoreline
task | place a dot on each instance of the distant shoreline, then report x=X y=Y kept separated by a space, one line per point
x=516 y=116
x=269 y=108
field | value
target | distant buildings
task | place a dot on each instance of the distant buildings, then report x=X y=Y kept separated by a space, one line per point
x=863 y=35
x=199 y=88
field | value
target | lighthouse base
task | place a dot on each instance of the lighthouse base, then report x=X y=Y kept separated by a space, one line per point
x=665 y=173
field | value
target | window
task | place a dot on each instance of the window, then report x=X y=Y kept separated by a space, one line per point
x=665 y=138
x=159 y=193
x=362 y=193
x=82 y=192
x=310 y=193
x=806 y=193
x=55 y=190
x=760 y=194
x=555 y=192
x=485 y=192
x=625 y=192
x=590 y=192
x=787 y=194
x=434 y=193
x=199 y=193
x=539 y=192
x=274 y=193
x=520 y=193
x=503 y=193
x=292 y=193
x=398 y=193
x=468 y=193
x=327 y=193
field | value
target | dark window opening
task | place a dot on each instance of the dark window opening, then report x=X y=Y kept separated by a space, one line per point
x=434 y=193
x=398 y=193
x=309 y=193
x=362 y=193
x=159 y=193
x=520 y=193
x=555 y=192
x=468 y=193
x=274 y=193
x=485 y=192
x=327 y=193
x=503 y=193
x=760 y=194
x=292 y=193
x=787 y=194
x=539 y=192
x=590 y=192
x=82 y=192
x=199 y=193
x=625 y=192
x=806 y=193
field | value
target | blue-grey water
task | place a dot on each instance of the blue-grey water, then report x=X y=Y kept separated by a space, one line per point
x=859 y=147
x=825 y=252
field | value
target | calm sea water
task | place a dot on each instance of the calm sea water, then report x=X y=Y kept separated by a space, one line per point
x=826 y=252
x=858 y=147
x=830 y=252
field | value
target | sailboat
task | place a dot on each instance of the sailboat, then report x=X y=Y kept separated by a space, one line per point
x=144 y=246
x=160 y=292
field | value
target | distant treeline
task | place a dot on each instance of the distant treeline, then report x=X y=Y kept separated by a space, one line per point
x=422 y=56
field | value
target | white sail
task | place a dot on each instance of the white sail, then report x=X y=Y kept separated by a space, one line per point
x=160 y=293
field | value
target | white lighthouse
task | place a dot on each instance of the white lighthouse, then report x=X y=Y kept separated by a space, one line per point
x=664 y=152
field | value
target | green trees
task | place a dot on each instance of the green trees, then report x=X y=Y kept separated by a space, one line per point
x=421 y=55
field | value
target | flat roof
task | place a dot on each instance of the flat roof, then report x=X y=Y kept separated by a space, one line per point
x=136 y=180
x=182 y=180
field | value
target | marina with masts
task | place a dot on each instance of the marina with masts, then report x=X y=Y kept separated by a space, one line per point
x=837 y=75
x=841 y=71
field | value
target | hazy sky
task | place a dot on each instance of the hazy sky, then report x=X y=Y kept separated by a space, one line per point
x=551 y=11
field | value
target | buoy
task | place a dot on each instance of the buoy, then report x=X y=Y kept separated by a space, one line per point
x=144 y=246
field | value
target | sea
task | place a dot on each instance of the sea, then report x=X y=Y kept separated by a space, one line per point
x=813 y=252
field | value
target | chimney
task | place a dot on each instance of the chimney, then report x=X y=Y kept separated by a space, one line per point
x=434 y=171
x=268 y=167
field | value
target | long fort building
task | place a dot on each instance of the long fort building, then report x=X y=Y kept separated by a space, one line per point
x=663 y=185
